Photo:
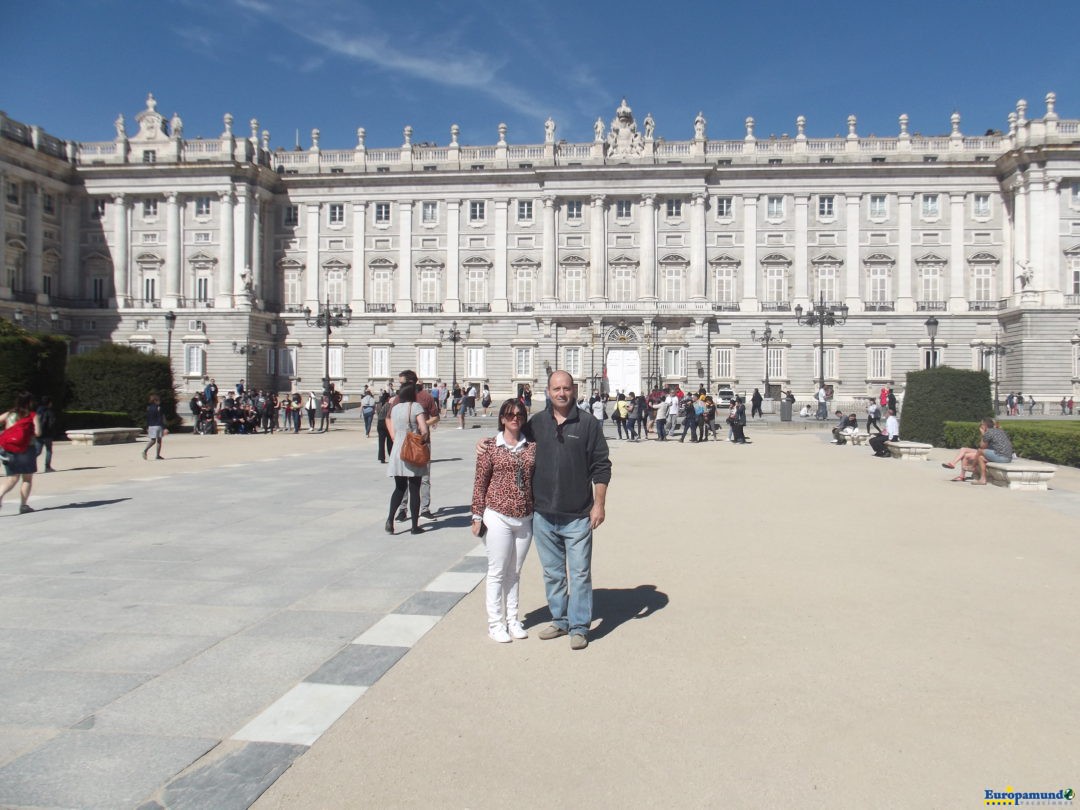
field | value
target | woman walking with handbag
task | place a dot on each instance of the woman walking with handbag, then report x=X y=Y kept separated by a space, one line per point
x=410 y=456
x=21 y=425
x=502 y=509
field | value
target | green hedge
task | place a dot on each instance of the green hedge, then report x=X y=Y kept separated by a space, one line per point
x=937 y=395
x=1056 y=443
x=120 y=378
x=88 y=420
x=31 y=362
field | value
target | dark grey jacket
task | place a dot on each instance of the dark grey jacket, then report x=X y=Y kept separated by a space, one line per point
x=568 y=462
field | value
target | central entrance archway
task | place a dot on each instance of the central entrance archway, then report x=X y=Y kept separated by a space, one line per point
x=623 y=371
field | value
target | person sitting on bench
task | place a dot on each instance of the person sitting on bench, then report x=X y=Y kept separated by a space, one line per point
x=994 y=446
x=891 y=433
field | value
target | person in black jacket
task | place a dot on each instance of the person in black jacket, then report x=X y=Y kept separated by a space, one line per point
x=48 y=430
x=155 y=427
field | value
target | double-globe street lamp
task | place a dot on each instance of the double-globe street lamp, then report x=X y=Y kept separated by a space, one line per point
x=170 y=324
x=821 y=315
x=765 y=339
x=454 y=335
x=329 y=317
x=996 y=351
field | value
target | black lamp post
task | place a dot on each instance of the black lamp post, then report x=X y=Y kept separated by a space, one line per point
x=454 y=335
x=170 y=323
x=821 y=315
x=996 y=351
x=765 y=339
x=931 y=329
x=328 y=318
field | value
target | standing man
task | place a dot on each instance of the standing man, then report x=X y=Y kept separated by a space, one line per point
x=822 y=407
x=431 y=412
x=569 y=490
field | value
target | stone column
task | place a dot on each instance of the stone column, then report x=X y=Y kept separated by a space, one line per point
x=905 y=302
x=120 y=250
x=359 y=262
x=1036 y=229
x=405 y=268
x=500 y=303
x=311 y=244
x=750 y=295
x=242 y=241
x=550 y=269
x=648 y=247
x=223 y=296
x=802 y=259
x=1020 y=243
x=957 y=265
x=453 y=256
x=1004 y=282
x=852 y=271
x=68 y=284
x=257 y=247
x=34 y=240
x=597 y=250
x=1052 y=276
x=697 y=245
x=171 y=298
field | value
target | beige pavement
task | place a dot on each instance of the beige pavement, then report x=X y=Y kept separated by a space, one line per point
x=817 y=628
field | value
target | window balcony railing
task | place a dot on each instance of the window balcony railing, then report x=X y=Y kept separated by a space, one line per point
x=381 y=308
x=424 y=306
x=930 y=306
x=880 y=306
x=79 y=303
x=1072 y=300
x=984 y=306
x=475 y=307
x=519 y=307
x=149 y=303
x=776 y=306
x=725 y=306
x=24 y=297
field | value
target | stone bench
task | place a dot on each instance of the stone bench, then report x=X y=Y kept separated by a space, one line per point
x=92 y=436
x=858 y=439
x=909 y=451
x=1020 y=474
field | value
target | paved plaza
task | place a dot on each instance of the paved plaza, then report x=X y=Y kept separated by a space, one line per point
x=787 y=623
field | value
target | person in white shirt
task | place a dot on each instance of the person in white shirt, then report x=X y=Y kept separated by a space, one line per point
x=822 y=408
x=662 y=407
x=890 y=434
x=672 y=413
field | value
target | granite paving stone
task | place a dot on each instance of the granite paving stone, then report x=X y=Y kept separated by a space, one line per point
x=429 y=603
x=23 y=648
x=358 y=665
x=45 y=698
x=135 y=653
x=340 y=625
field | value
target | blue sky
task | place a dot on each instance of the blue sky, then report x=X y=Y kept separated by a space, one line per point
x=72 y=66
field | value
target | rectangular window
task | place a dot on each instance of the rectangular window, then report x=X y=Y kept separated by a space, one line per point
x=477 y=211
x=931 y=359
x=476 y=286
x=931 y=285
x=674 y=209
x=382 y=213
x=523 y=362
x=202 y=206
x=671 y=279
x=150 y=238
x=830 y=363
x=13 y=193
x=292 y=288
x=287 y=361
x=474 y=362
x=202 y=289
x=429 y=212
x=193 y=360
x=775 y=361
x=337 y=214
x=427 y=362
x=674 y=362
x=150 y=289
x=622 y=284
x=48 y=204
x=525 y=211
x=1074 y=274
x=930 y=208
x=775 y=284
x=725 y=365
x=879 y=363
x=573 y=210
x=98 y=288
x=202 y=237
x=271 y=362
x=573 y=284
x=623 y=209
x=980 y=205
x=149 y=209
x=723 y=207
x=46 y=284
x=826 y=206
x=382 y=287
x=775 y=208
x=337 y=362
x=572 y=362
x=524 y=288
x=380 y=362
x=879 y=284
x=982 y=283
x=879 y=206
x=149 y=156
x=291 y=216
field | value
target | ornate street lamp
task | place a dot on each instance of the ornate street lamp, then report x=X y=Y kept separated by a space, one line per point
x=931 y=329
x=170 y=323
x=996 y=351
x=822 y=315
x=454 y=335
x=765 y=339
x=329 y=317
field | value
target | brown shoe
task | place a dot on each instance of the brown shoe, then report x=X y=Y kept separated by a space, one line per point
x=578 y=642
x=550 y=632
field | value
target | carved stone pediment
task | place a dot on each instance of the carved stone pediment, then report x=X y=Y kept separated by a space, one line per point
x=623 y=138
x=152 y=125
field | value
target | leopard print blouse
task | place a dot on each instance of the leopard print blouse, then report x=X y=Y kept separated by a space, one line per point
x=504 y=479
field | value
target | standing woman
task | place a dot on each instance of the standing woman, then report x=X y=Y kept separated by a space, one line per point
x=155 y=427
x=21 y=463
x=311 y=406
x=382 y=410
x=406 y=417
x=367 y=403
x=503 y=502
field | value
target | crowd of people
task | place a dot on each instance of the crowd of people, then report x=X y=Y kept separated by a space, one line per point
x=249 y=411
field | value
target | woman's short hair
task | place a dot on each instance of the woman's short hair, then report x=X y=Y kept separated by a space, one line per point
x=511 y=406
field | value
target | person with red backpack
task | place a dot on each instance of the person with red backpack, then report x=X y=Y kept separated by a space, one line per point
x=21 y=426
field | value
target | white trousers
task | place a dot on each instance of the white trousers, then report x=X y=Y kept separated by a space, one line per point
x=507 y=541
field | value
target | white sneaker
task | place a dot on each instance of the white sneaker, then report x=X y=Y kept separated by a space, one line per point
x=497 y=632
x=516 y=630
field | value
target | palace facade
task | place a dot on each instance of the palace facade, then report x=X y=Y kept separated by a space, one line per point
x=633 y=260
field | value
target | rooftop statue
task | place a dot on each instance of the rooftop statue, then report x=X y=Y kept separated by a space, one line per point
x=623 y=138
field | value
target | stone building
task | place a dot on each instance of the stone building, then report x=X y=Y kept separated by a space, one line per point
x=633 y=260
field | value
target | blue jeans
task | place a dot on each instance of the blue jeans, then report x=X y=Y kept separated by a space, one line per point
x=566 y=547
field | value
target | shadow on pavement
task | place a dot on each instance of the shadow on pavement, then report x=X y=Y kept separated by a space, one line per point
x=440 y=460
x=76 y=469
x=82 y=504
x=612 y=607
